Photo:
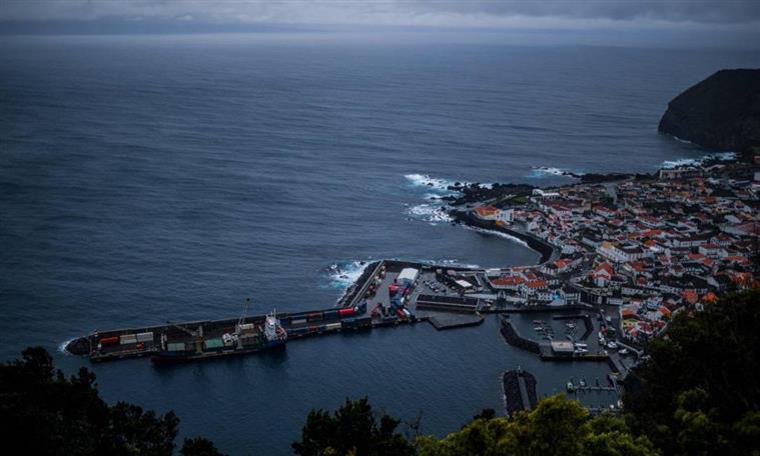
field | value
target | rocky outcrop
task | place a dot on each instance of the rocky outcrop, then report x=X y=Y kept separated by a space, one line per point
x=722 y=112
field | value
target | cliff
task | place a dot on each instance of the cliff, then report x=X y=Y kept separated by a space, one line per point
x=722 y=112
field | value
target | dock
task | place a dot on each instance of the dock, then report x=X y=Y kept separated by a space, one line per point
x=519 y=391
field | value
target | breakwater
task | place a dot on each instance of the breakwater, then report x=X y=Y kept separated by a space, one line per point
x=515 y=339
x=519 y=391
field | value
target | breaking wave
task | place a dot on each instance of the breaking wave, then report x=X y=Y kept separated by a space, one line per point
x=698 y=161
x=344 y=273
x=538 y=172
x=429 y=212
x=424 y=180
x=62 y=346
x=498 y=233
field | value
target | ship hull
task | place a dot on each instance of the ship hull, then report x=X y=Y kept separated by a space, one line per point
x=167 y=357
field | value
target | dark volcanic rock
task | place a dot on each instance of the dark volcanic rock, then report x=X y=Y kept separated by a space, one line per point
x=722 y=112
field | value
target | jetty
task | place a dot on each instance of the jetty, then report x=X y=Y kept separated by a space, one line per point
x=519 y=391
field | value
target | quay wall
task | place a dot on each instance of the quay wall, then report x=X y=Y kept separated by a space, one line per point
x=546 y=250
x=515 y=339
x=519 y=391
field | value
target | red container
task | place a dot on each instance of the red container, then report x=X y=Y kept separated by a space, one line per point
x=400 y=313
x=347 y=312
x=392 y=289
x=109 y=340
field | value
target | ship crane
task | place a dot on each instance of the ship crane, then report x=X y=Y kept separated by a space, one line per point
x=244 y=314
x=196 y=335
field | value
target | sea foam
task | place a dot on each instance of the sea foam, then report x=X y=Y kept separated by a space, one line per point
x=344 y=273
x=432 y=213
x=424 y=180
x=724 y=156
x=538 y=172
x=498 y=233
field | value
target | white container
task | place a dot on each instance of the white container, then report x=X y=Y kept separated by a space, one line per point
x=145 y=337
x=128 y=339
x=332 y=326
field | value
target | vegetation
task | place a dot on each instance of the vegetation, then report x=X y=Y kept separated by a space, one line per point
x=44 y=412
x=557 y=426
x=698 y=393
x=352 y=430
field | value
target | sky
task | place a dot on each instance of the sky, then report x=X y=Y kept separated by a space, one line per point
x=717 y=21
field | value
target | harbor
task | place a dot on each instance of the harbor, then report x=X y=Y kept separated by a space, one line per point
x=388 y=293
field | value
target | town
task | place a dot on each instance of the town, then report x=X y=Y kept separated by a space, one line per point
x=650 y=246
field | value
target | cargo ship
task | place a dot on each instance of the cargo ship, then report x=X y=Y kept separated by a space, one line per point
x=246 y=338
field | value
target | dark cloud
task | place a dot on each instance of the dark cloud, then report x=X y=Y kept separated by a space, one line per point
x=413 y=12
x=667 y=10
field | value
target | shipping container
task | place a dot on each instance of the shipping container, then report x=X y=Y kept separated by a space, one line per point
x=247 y=327
x=145 y=337
x=127 y=339
x=109 y=340
x=314 y=316
x=299 y=321
x=332 y=326
x=211 y=344
x=330 y=314
x=346 y=312
x=175 y=346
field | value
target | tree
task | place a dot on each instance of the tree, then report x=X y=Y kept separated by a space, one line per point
x=199 y=446
x=557 y=426
x=44 y=412
x=695 y=395
x=352 y=430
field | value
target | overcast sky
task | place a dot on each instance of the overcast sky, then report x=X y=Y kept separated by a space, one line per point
x=723 y=16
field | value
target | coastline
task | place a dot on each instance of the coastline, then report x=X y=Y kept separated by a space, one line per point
x=546 y=251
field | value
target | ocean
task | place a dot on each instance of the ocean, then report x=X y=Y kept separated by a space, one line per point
x=154 y=178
